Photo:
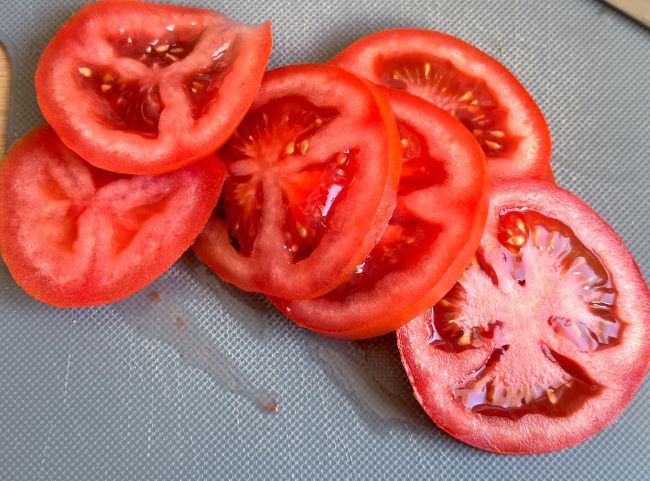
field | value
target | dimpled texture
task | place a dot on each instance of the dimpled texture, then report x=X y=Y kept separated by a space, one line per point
x=172 y=388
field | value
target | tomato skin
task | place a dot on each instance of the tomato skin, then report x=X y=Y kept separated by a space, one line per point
x=180 y=139
x=362 y=214
x=618 y=369
x=73 y=235
x=402 y=292
x=525 y=120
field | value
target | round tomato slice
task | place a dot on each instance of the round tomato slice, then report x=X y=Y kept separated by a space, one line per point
x=144 y=88
x=74 y=235
x=441 y=209
x=314 y=169
x=465 y=82
x=546 y=336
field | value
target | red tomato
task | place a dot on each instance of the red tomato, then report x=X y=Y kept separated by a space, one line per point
x=546 y=336
x=441 y=208
x=313 y=169
x=466 y=82
x=74 y=235
x=145 y=88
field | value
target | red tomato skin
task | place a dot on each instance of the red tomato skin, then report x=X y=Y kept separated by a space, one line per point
x=621 y=370
x=124 y=152
x=532 y=162
x=205 y=177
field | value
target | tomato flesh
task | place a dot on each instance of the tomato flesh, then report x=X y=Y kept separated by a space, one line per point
x=524 y=353
x=142 y=88
x=465 y=82
x=313 y=169
x=441 y=208
x=74 y=235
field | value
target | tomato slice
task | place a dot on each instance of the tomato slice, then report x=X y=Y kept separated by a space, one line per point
x=143 y=88
x=74 y=235
x=467 y=83
x=314 y=169
x=546 y=336
x=441 y=209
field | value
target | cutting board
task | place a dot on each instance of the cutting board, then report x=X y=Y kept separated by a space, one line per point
x=5 y=73
x=164 y=385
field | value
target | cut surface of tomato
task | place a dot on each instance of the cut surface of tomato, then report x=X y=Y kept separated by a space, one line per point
x=546 y=336
x=441 y=209
x=314 y=169
x=465 y=82
x=142 y=88
x=74 y=235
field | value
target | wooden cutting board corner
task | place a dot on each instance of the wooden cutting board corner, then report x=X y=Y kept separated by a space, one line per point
x=5 y=74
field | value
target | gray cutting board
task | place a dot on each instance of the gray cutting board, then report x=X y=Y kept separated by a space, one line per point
x=181 y=387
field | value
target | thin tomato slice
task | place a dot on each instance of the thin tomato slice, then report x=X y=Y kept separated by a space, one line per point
x=314 y=169
x=546 y=336
x=441 y=209
x=467 y=83
x=142 y=88
x=74 y=235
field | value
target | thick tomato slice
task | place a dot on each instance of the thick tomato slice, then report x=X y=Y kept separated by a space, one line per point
x=546 y=336
x=145 y=88
x=466 y=82
x=314 y=169
x=74 y=235
x=441 y=209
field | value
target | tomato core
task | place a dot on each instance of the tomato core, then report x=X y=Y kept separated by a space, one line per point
x=538 y=253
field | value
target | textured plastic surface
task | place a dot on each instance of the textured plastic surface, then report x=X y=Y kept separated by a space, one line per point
x=178 y=385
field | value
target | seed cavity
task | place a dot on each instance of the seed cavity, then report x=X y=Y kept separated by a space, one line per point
x=466 y=97
x=484 y=392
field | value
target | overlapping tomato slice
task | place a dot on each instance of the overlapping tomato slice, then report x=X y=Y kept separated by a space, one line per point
x=441 y=209
x=142 y=88
x=313 y=170
x=74 y=235
x=467 y=83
